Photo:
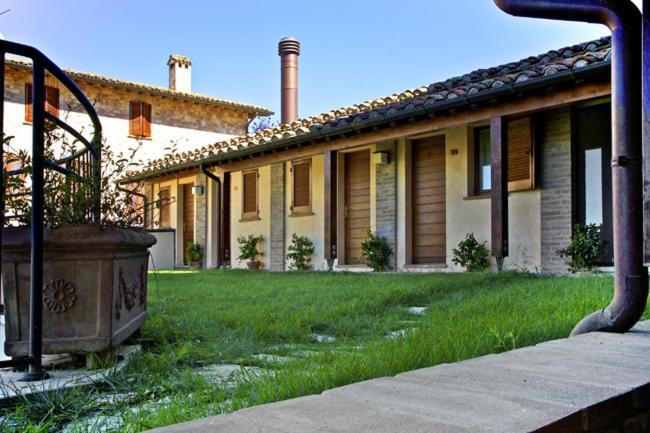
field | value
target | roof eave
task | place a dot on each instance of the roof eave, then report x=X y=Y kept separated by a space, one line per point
x=564 y=77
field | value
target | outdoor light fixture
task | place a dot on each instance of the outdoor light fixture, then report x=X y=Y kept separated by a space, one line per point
x=197 y=190
x=381 y=158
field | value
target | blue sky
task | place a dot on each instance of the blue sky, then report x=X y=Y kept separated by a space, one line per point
x=351 y=50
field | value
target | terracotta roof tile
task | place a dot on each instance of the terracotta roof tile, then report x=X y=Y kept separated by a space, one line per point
x=155 y=90
x=596 y=52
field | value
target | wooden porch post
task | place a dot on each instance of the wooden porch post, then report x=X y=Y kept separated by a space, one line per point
x=224 y=236
x=330 y=207
x=499 y=150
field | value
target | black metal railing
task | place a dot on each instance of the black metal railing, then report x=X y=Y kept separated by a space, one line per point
x=82 y=167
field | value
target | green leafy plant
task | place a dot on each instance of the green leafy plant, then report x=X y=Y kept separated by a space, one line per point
x=471 y=254
x=67 y=200
x=376 y=251
x=194 y=253
x=300 y=252
x=585 y=248
x=248 y=247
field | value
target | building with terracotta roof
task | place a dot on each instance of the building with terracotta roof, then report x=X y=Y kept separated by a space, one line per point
x=417 y=168
x=132 y=114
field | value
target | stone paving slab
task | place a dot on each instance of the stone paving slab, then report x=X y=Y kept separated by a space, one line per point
x=517 y=391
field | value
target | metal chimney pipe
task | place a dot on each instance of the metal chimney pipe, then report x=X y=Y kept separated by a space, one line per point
x=631 y=277
x=289 y=50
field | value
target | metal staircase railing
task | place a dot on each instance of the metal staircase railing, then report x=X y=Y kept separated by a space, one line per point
x=72 y=167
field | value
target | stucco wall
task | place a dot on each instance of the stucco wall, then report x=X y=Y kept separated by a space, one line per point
x=468 y=214
x=257 y=227
x=312 y=226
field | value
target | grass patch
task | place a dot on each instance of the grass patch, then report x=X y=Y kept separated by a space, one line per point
x=199 y=318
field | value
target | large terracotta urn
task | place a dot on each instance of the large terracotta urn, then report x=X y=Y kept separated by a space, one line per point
x=94 y=287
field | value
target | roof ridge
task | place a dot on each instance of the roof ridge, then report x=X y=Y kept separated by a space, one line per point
x=110 y=81
x=597 y=51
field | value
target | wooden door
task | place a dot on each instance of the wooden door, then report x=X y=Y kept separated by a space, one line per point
x=429 y=201
x=188 y=218
x=357 y=203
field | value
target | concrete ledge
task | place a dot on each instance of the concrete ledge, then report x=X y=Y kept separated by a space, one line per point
x=591 y=383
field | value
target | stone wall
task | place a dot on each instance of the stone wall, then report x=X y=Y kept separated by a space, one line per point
x=554 y=137
x=386 y=198
x=277 y=216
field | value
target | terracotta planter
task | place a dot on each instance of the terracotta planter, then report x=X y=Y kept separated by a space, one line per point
x=196 y=265
x=253 y=265
x=95 y=287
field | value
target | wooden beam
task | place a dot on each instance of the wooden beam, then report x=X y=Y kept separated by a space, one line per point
x=330 y=171
x=498 y=140
x=224 y=238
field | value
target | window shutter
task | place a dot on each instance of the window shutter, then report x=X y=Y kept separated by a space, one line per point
x=520 y=154
x=146 y=119
x=302 y=186
x=250 y=194
x=163 y=195
x=135 y=123
x=28 y=102
x=52 y=100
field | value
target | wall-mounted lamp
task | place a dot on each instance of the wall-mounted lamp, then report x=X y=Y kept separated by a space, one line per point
x=381 y=158
x=454 y=151
x=197 y=190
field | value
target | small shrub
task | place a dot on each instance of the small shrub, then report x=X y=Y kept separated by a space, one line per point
x=194 y=253
x=300 y=252
x=471 y=254
x=585 y=248
x=377 y=252
x=248 y=247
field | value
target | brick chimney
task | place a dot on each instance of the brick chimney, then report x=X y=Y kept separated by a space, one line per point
x=180 y=73
x=289 y=50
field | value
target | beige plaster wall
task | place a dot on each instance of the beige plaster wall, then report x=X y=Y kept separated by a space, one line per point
x=466 y=215
x=312 y=226
x=244 y=228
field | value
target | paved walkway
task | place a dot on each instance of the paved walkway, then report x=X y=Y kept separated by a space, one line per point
x=518 y=391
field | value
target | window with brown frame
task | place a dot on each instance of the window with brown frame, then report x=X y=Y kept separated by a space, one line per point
x=51 y=101
x=521 y=157
x=165 y=214
x=139 y=119
x=250 y=196
x=301 y=187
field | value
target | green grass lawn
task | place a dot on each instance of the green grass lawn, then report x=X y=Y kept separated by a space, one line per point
x=201 y=318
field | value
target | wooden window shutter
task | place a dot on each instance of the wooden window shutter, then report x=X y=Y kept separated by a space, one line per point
x=301 y=199
x=163 y=196
x=146 y=119
x=28 y=102
x=520 y=154
x=52 y=100
x=249 y=202
x=135 y=122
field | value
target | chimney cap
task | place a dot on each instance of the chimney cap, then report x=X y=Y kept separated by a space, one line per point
x=289 y=45
x=178 y=59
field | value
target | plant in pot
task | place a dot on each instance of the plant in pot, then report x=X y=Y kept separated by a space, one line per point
x=94 y=269
x=248 y=251
x=194 y=255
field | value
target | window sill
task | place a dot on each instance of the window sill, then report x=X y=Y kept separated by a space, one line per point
x=480 y=196
x=137 y=137
x=301 y=214
x=249 y=219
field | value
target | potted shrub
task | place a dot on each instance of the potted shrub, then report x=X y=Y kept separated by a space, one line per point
x=248 y=251
x=585 y=248
x=300 y=252
x=471 y=254
x=376 y=251
x=194 y=255
x=94 y=273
